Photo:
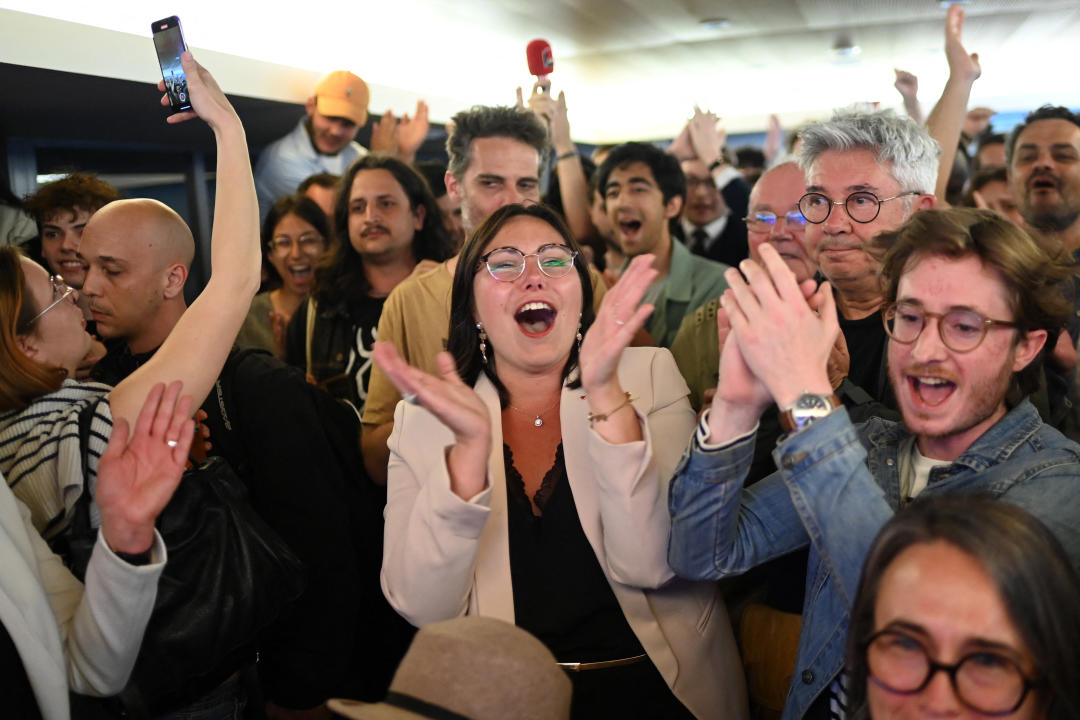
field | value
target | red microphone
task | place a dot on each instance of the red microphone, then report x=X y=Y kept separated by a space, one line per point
x=541 y=63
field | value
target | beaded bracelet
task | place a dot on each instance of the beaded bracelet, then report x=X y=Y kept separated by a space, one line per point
x=600 y=417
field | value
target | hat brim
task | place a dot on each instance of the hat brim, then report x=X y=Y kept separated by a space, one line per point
x=333 y=107
x=370 y=711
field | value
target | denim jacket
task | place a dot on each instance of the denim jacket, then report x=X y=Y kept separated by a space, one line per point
x=837 y=485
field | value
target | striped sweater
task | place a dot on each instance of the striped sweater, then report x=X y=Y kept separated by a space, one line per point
x=40 y=453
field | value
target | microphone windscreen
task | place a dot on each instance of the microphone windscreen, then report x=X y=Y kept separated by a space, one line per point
x=539 y=54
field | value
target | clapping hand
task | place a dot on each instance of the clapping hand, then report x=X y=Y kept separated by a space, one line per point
x=136 y=479
x=620 y=316
x=455 y=404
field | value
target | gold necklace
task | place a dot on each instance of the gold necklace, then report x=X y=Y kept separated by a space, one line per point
x=539 y=421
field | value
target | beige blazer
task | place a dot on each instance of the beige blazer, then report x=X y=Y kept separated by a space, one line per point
x=445 y=557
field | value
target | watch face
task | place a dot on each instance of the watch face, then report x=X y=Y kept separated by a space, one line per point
x=812 y=402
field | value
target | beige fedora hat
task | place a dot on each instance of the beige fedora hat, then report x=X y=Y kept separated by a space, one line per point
x=472 y=667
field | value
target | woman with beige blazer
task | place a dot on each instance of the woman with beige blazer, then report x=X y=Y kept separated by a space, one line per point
x=529 y=481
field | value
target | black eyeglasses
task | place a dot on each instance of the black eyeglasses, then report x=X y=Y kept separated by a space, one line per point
x=60 y=292
x=507 y=263
x=308 y=242
x=765 y=221
x=960 y=330
x=986 y=681
x=862 y=206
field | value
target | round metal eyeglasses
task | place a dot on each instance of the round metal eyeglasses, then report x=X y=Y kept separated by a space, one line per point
x=987 y=681
x=862 y=206
x=507 y=263
x=61 y=291
x=960 y=330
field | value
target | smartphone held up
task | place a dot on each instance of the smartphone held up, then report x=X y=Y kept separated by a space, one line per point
x=169 y=42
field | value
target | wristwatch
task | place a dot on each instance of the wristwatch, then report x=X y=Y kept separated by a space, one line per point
x=806 y=411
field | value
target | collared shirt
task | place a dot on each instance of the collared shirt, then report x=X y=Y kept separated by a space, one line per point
x=712 y=231
x=836 y=486
x=690 y=283
x=288 y=161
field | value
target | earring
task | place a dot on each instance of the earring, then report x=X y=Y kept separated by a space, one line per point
x=579 y=338
x=483 y=341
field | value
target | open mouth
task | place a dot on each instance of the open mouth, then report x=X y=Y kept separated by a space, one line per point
x=535 y=318
x=71 y=265
x=931 y=391
x=1043 y=183
x=629 y=227
x=300 y=273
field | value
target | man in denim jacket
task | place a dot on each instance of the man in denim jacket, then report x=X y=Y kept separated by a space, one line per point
x=970 y=301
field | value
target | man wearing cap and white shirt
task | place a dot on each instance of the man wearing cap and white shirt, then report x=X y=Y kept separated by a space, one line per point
x=321 y=142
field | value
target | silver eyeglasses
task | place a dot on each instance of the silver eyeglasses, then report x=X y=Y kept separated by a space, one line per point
x=60 y=290
x=766 y=221
x=507 y=263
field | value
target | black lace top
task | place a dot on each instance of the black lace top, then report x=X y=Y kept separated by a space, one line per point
x=560 y=592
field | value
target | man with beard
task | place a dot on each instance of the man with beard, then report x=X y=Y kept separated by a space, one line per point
x=970 y=301
x=1043 y=159
x=1044 y=174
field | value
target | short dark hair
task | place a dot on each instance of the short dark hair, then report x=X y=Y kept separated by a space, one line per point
x=665 y=168
x=481 y=121
x=985 y=176
x=463 y=341
x=1033 y=274
x=340 y=275
x=1031 y=571
x=986 y=140
x=749 y=156
x=1046 y=112
x=77 y=190
x=323 y=180
x=304 y=208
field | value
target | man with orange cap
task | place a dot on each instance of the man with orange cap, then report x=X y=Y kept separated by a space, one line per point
x=323 y=141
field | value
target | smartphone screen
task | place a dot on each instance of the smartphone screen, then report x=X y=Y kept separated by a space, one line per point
x=169 y=42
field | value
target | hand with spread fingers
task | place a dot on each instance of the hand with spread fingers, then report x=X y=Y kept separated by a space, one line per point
x=136 y=478
x=785 y=342
x=383 y=134
x=619 y=318
x=455 y=404
x=411 y=132
x=707 y=136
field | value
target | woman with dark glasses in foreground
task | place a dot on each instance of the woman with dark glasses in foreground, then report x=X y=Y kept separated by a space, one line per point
x=967 y=608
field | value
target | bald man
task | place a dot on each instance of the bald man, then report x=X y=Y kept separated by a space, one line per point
x=137 y=253
x=774 y=218
x=294 y=447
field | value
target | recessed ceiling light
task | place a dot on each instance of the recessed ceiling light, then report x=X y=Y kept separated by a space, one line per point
x=844 y=48
x=716 y=23
x=946 y=3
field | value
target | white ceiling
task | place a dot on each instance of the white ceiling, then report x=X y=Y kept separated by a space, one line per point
x=631 y=69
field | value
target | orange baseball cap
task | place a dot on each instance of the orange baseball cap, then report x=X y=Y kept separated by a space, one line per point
x=342 y=94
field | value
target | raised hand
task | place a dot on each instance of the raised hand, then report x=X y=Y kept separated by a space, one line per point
x=784 y=340
x=907 y=84
x=455 y=404
x=137 y=478
x=681 y=147
x=382 y=134
x=707 y=136
x=962 y=66
x=619 y=318
x=207 y=100
x=412 y=131
x=278 y=325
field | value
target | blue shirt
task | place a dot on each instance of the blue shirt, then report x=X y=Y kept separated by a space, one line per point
x=288 y=161
x=837 y=485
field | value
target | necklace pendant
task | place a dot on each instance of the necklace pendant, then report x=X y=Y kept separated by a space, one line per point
x=538 y=422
